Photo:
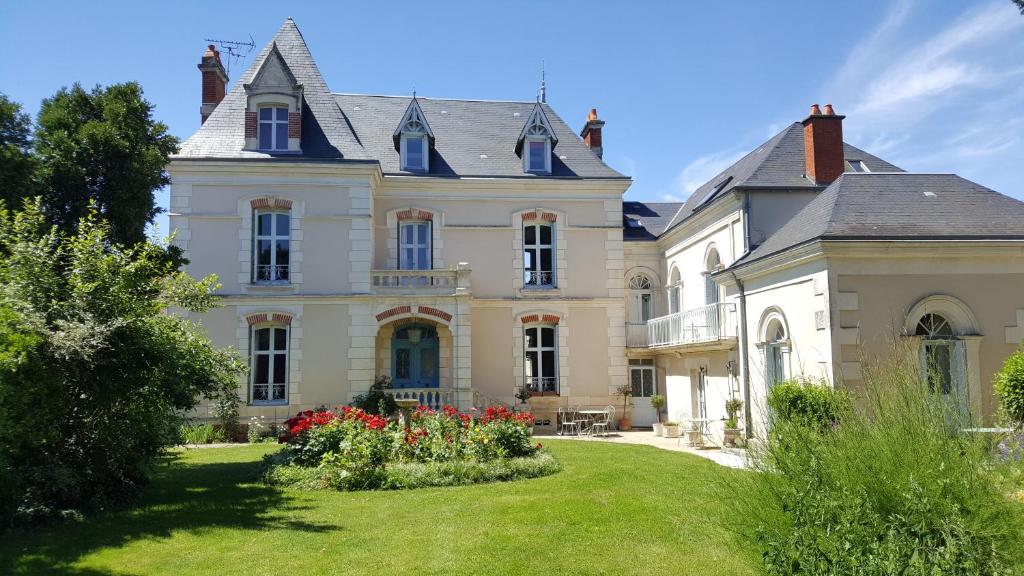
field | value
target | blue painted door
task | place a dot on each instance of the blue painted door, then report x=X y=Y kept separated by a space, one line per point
x=415 y=357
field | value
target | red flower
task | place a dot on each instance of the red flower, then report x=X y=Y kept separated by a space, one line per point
x=539 y=446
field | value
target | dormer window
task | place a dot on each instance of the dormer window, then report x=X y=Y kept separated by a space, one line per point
x=273 y=128
x=536 y=142
x=413 y=139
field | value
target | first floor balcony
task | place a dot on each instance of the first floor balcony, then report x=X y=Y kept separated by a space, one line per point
x=451 y=281
x=705 y=326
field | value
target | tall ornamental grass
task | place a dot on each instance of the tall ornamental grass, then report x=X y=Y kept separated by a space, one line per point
x=891 y=485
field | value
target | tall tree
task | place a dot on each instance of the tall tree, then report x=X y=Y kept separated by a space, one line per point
x=103 y=147
x=1020 y=4
x=16 y=162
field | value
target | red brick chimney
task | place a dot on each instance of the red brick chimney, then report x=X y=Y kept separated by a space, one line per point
x=823 y=145
x=215 y=78
x=592 y=133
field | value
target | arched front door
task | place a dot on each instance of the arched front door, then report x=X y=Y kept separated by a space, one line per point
x=414 y=357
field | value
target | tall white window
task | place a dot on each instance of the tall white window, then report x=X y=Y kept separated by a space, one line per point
x=414 y=245
x=942 y=356
x=538 y=158
x=675 y=292
x=539 y=255
x=541 y=360
x=414 y=153
x=774 y=359
x=714 y=264
x=269 y=365
x=273 y=128
x=271 y=250
x=640 y=308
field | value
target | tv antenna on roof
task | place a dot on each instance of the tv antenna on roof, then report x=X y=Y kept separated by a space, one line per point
x=234 y=49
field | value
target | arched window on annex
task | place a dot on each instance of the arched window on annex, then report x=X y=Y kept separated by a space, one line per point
x=773 y=339
x=944 y=338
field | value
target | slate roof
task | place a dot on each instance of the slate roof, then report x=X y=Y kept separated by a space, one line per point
x=776 y=164
x=653 y=218
x=472 y=137
x=899 y=206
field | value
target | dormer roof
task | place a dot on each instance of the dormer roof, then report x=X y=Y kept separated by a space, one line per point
x=274 y=76
x=413 y=115
x=537 y=124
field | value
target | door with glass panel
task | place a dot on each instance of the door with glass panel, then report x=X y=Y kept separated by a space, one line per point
x=415 y=357
x=641 y=379
x=541 y=355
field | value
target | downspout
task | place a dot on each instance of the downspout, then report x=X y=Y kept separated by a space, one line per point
x=748 y=419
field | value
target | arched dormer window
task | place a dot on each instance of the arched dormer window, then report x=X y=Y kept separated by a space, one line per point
x=536 y=142
x=414 y=139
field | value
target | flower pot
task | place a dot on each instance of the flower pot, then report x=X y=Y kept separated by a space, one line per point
x=625 y=424
x=658 y=428
x=731 y=437
x=671 y=431
x=695 y=437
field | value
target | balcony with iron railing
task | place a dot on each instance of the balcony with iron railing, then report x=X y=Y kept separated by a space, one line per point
x=704 y=326
x=449 y=282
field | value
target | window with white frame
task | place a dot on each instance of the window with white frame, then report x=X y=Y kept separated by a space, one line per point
x=538 y=157
x=941 y=356
x=675 y=292
x=641 y=377
x=413 y=138
x=414 y=245
x=273 y=128
x=269 y=365
x=540 y=345
x=714 y=264
x=271 y=247
x=539 y=255
x=536 y=142
x=414 y=153
x=640 y=305
x=774 y=358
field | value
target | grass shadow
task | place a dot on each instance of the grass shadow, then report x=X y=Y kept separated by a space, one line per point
x=183 y=495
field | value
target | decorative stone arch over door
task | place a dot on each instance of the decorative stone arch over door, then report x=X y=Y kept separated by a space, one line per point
x=964 y=330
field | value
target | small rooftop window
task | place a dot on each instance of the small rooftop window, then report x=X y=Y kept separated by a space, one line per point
x=633 y=223
x=857 y=166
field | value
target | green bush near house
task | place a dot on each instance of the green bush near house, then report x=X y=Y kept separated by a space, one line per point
x=890 y=489
x=201 y=434
x=813 y=404
x=1009 y=387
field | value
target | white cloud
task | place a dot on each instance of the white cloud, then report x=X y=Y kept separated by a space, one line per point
x=700 y=171
x=943 y=100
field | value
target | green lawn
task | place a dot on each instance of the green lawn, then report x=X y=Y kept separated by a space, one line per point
x=614 y=509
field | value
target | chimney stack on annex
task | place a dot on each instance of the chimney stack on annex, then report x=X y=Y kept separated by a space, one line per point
x=215 y=78
x=592 y=133
x=823 y=145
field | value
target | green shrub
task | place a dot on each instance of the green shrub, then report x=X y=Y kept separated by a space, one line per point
x=1009 y=385
x=201 y=434
x=407 y=475
x=814 y=404
x=376 y=400
x=891 y=489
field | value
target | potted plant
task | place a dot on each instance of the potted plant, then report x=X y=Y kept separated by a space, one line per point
x=731 y=434
x=671 y=429
x=626 y=391
x=657 y=402
x=523 y=396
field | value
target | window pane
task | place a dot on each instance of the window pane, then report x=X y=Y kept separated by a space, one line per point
x=280 y=368
x=940 y=377
x=545 y=234
x=280 y=339
x=263 y=339
x=402 y=363
x=421 y=262
x=547 y=337
x=545 y=261
x=282 y=252
x=282 y=114
x=421 y=233
x=282 y=136
x=262 y=369
x=636 y=382
x=530 y=259
x=530 y=235
x=537 y=150
x=266 y=113
x=265 y=136
x=263 y=252
x=547 y=364
x=648 y=381
x=531 y=365
x=407 y=233
x=408 y=255
x=282 y=224
x=263 y=224
x=531 y=337
x=428 y=364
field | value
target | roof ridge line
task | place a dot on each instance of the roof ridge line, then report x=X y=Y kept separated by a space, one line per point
x=418 y=97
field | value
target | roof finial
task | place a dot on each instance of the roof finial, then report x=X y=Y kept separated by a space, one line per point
x=543 y=85
x=413 y=92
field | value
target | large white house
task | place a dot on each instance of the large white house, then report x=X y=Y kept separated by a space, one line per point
x=470 y=249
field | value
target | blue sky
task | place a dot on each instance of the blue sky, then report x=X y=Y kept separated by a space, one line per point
x=685 y=87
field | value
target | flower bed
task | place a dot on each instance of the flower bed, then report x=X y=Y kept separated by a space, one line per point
x=350 y=449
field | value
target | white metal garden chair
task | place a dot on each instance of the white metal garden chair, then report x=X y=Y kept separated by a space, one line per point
x=568 y=422
x=602 y=422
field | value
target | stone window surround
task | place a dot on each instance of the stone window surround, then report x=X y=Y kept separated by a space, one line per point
x=396 y=215
x=290 y=316
x=786 y=346
x=560 y=222
x=257 y=101
x=541 y=317
x=246 y=209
